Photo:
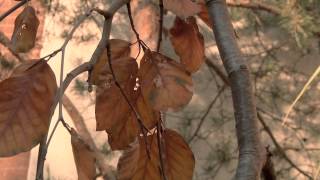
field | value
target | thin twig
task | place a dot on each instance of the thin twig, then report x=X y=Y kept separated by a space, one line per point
x=5 y=41
x=160 y=25
x=160 y=150
x=206 y=114
x=224 y=78
x=11 y=10
x=141 y=44
x=143 y=129
x=279 y=148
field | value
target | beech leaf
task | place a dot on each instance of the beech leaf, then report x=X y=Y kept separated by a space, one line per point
x=165 y=84
x=179 y=160
x=25 y=30
x=204 y=14
x=83 y=158
x=25 y=102
x=111 y=106
x=120 y=52
x=182 y=8
x=188 y=43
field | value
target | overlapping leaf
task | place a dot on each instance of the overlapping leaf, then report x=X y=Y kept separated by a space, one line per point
x=25 y=30
x=120 y=51
x=124 y=131
x=164 y=83
x=204 y=14
x=149 y=116
x=188 y=43
x=182 y=8
x=25 y=101
x=112 y=110
x=111 y=105
x=84 y=159
x=179 y=161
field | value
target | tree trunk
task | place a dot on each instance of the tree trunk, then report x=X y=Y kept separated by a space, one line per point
x=251 y=153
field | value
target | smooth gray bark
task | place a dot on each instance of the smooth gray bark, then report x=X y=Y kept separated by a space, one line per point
x=251 y=153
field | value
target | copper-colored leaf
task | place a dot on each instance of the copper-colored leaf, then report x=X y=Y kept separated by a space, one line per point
x=25 y=101
x=127 y=164
x=25 y=30
x=149 y=116
x=188 y=43
x=123 y=133
x=84 y=159
x=182 y=8
x=164 y=83
x=204 y=15
x=120 y=52
x=178 y=159
x=111 y=106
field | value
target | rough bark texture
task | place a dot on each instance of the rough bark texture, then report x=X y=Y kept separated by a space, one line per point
x=251 y=152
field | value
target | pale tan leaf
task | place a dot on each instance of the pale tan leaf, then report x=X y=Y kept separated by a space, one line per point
x=182 y=8
x=120 y=52
x=25 y=30
x=25 y=101
x=83 y=158
x=188 y=43
x=165 y=84
x=178 y=163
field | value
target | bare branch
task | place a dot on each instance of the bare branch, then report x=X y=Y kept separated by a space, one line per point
x=5 y=41
x=11 y=10
x=255 y=6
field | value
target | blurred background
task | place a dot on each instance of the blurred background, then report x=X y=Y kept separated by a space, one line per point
x=280 y=40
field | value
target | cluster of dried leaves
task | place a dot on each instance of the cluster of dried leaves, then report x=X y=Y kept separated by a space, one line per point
x=159 y=84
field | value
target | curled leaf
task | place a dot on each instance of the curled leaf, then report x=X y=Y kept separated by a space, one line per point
x=182 y=8
x=25 y=102
x=178 y=161
x=84 y=158
x=188 y=43
x=25 y=30
x=164 y=83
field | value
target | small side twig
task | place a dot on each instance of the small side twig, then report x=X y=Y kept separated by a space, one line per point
x=206 y=114
x=160 y=25
x=279 y=148
x=160 y=150
x=143 y=129
x=11 y=10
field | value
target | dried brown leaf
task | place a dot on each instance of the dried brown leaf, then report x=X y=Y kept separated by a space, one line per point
x=188 y=43
x=149 y=116
x=84 y=159
x=25 y=30
x=120 y=52
x=182 y=8
x=111 y=106
x=179 y=161
x=204 y=15
x=165 y=84
x=123 y=133
x=25 y=101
